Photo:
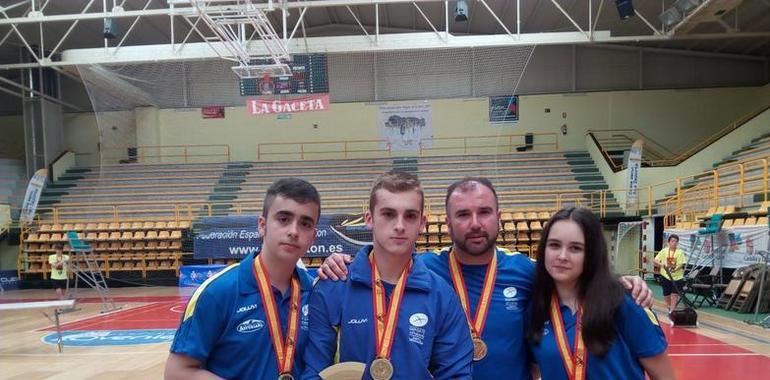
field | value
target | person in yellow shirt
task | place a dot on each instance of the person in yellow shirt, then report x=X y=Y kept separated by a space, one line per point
x=672 y=258
x=59 y=271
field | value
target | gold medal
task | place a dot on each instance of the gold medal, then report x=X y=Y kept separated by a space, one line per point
x=574 y=364
x=285 y=376
x=476 y=324
x=479 y=349
x=381 y=369
x=385 y=323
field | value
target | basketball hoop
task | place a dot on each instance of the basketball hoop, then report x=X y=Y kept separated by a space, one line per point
x=259 y=71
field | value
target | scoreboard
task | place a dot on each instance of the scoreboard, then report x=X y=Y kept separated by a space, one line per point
x=309 y=76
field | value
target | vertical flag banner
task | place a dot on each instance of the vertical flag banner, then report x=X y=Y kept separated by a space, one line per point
x=32 y=196
x=634 y=166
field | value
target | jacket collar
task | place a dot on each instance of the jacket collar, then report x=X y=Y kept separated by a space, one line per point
x=361 y=271
x=248 y=284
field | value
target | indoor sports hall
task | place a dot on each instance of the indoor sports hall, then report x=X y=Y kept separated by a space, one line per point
x=139 y=137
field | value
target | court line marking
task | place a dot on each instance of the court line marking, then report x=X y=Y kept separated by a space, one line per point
x=125 y=353
x=729 y=331
x=127 y=313
x=86 y=319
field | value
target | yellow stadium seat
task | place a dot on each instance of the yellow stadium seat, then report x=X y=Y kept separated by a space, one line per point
x=91 y=227
x=115 y=235
x=160 y=225
x=762 y=210
x=137 y=225
x=506 y=216
x=509 y=226
x=45 y=228
x=522 y=226
x=535 y=226
x=103 y=227
x=517 y=216
x=762 y=221
x=751 y=221
x=176 y=234
x=151 y=235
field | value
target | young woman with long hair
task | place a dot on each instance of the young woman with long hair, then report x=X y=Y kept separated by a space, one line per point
x=582 y=324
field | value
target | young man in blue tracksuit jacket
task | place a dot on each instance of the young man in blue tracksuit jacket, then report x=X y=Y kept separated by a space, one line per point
x=230 y=322
x=431 y=338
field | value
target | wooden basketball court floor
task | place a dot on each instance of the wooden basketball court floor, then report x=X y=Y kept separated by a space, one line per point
x=133 y=343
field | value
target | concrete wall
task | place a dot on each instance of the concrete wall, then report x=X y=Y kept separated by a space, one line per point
x=674 y=118
x=662 y=178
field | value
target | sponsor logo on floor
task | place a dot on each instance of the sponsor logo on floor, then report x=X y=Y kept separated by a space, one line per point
x=100 y=338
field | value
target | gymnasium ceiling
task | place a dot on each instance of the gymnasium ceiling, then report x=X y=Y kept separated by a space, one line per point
x=741 y=29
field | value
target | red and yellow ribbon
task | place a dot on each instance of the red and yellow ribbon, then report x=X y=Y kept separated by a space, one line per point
x=575 y=363
x=477 y=323
x=385 y=326
x=284 y=349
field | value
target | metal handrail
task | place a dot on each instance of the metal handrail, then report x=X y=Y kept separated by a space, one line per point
x=186 y=152
x=349 y=148
x=675 y=159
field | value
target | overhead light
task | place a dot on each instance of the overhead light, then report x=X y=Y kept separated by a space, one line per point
x=625 y=9
x=110 y=29
x=461 y=11
x=685 y=6
x=670 y=17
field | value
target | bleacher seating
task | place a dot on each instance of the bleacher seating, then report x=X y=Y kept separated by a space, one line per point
x=130 y=211
x=734 y=198
x=116 y=246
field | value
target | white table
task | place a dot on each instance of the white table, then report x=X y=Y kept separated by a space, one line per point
x=58 y=306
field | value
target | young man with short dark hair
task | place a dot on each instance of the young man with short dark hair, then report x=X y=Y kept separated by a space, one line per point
x=249 y=321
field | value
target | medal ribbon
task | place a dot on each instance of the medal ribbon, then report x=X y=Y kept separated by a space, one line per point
x=284 y=350
x=574 y=364
x=476 y=324
x=385 y=328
